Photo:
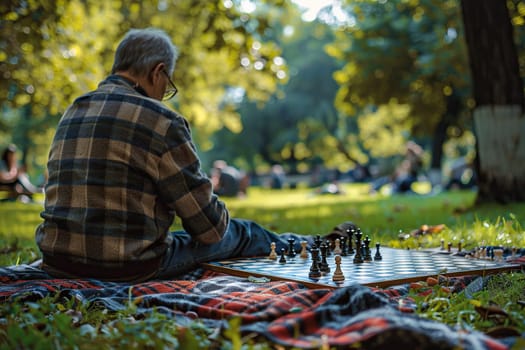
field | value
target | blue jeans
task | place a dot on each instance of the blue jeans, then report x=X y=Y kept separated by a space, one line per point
x=243 y=238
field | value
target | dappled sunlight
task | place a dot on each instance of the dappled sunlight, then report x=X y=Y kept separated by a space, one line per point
x=383 y=218
x=19 y=219
x=299 y=211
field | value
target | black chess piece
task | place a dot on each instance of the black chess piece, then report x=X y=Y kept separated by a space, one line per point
x=318 y=241
x=350 y=233
x=358 y=258
x=328 y=250
x=344 y=246
x=282 y=259
x=378 y=254
x=323 y=266
x=291 y=249
x=368 y=254
x=315 y=272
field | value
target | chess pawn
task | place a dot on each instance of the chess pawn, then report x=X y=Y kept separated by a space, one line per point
x=282 y=259
x=338 y=273
x=378 y=256
x=337 y=248
x=498 y=255
x=273 y=253
x=304 y=251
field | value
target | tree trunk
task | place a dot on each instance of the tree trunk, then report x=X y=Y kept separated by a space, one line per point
x=501 y=153
x=498 y=92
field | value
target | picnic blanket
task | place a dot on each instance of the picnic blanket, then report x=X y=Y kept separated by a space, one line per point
x=285 y=313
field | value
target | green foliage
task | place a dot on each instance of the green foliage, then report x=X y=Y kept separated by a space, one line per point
x=406 y=52
x=52 y=51
x=383 y=131
x=65 y=323
x=493 y=309
x=298 y=125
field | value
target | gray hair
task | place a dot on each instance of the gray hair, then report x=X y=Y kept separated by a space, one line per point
x=142 y=49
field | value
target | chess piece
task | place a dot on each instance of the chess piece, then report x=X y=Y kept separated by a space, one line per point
x=323 y=266
x=498 y=255
x=460 y=246
x=304 y=251
x=449 y=247
x=378 y=256
x=291 y=249
x=358 y=258
x=315 y=272
x=442 y=244
x=338 y=273
x=318 y=241
x=273 y=253
x=368 y=254
x=337 y=247
x=328 y=244
x=350 y=234
x=282 y=259
x=344 y=246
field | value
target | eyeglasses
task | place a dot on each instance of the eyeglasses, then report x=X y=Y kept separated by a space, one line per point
x=170 y=93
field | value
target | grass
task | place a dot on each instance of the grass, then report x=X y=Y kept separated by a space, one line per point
x=57 y=323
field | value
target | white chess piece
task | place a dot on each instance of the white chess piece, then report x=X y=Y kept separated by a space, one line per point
x=273 y=253
x=304 y=252
x=337 y=247
x=338 y=273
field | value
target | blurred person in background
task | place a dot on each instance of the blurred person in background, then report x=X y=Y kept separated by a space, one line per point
x=13 y=178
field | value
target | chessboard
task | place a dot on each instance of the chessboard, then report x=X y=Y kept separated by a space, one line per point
x=397 y=266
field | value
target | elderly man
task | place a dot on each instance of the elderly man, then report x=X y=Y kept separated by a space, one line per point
x=121 y=167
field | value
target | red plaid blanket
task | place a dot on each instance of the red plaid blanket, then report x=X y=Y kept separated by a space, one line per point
x=285 y=313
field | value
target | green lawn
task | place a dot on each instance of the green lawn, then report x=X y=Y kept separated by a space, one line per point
x=383 y=218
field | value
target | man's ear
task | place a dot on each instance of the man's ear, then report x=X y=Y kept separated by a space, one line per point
x=156 y=73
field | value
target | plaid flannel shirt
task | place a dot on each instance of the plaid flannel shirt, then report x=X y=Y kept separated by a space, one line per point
x=121 y=166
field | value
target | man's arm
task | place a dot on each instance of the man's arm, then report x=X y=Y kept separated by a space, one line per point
x=187 y=189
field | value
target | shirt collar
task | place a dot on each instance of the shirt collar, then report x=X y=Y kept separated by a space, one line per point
x=119 y=79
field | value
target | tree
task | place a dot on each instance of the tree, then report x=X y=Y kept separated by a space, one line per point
x=498 y=92
x=52 y=51
x=299 y=125
x=407 y=53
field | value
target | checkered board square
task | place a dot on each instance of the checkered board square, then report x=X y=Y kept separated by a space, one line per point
x=396 y=267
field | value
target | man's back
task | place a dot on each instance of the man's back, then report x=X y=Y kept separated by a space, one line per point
x=111 y=197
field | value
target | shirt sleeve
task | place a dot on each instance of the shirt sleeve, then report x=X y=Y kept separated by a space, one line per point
x=185 y=188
